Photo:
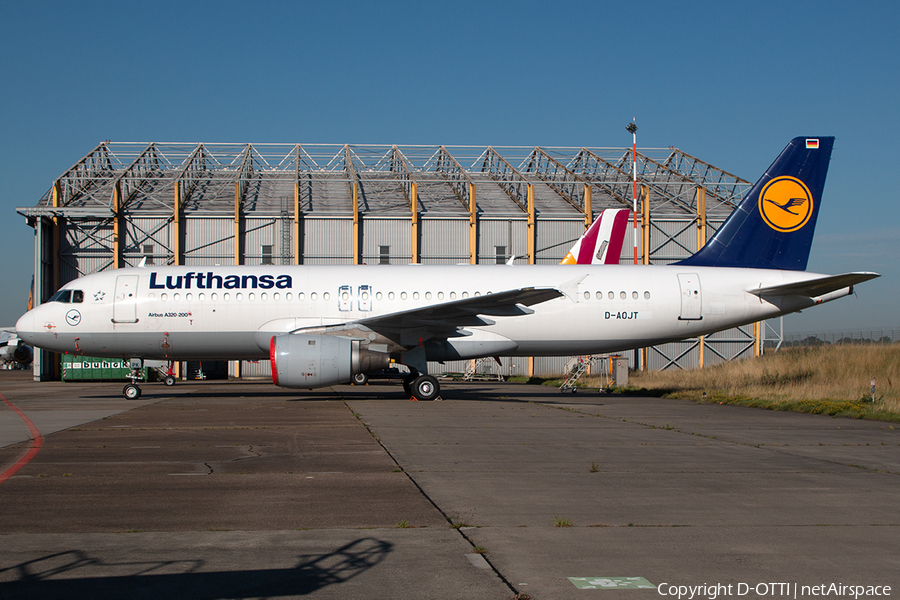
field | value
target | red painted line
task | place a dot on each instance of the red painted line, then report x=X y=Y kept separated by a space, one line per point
x=37 y=440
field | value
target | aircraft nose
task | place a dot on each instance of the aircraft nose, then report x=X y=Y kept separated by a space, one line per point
x=25 y=327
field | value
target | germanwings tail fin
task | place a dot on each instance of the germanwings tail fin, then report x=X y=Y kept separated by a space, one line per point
x=772 y=227
x=602 y=243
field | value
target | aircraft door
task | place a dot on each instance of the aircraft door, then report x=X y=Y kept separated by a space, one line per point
x=691 y=299
x=125 y=302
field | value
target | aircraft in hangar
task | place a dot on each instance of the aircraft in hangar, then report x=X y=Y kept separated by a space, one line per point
x=320 y=325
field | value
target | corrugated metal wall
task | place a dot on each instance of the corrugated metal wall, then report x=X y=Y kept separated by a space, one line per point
x=444 y=241
x=395 y=234
x=327 y=241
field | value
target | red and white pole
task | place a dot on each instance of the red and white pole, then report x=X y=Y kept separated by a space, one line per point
x=632 y=129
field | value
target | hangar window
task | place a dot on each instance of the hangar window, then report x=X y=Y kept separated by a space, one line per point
x=148 y=254
x=384 y=255
x=267 y=254
x=500 y=254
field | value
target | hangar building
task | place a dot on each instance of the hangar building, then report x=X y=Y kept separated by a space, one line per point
x=207 y=204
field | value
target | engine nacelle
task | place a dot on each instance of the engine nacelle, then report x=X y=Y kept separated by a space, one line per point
x=311 y=361
x=16 y=351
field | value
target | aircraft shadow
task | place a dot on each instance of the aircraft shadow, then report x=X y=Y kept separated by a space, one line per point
x=68 y=575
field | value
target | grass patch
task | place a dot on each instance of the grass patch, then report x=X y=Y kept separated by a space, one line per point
x=404 y=524
x=831 y=380
x=562 y=522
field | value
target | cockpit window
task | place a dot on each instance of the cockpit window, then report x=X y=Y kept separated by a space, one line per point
x=67 y=296
x=62 y=296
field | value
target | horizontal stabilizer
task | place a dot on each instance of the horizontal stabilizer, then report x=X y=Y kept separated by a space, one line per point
x=813 y=288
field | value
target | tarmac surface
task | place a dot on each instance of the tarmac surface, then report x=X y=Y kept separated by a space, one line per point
x=243 y=490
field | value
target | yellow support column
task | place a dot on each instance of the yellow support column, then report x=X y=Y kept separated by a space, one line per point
x=588 y=209
x=645 y=225
x=117 y=226
x=532 y=226
x=414 y=206
x=177 y=250
x=55 y=241
x=297 y=245
x=237 y=223
x=237 y=249
x=355 y=198
x=701 y=241
x=757 y=334
x=473 y=226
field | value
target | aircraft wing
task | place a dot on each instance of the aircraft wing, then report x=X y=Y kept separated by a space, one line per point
x=446 y=319
x=814 y=288
x=443 y=320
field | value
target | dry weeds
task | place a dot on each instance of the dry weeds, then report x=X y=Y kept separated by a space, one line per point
x=809 y=379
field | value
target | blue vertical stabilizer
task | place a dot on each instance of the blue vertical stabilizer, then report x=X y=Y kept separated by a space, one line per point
x=772 y=227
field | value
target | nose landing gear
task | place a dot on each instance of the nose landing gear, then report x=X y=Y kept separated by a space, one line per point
x=132 y=391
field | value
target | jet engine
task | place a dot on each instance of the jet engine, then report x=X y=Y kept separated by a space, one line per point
x=16 y=351
x=311 y=361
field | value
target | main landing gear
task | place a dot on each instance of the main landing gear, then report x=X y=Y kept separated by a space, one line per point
x=421 y=387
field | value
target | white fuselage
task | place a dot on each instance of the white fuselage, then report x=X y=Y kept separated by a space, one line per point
x=217 y=312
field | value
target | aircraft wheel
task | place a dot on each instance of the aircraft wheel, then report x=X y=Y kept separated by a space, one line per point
x=132 y=392
x=425 y=388
x=169 y=380
x=407 y=384
x=360 y=379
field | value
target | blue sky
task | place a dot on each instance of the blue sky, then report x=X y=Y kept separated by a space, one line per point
x=730 y=83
